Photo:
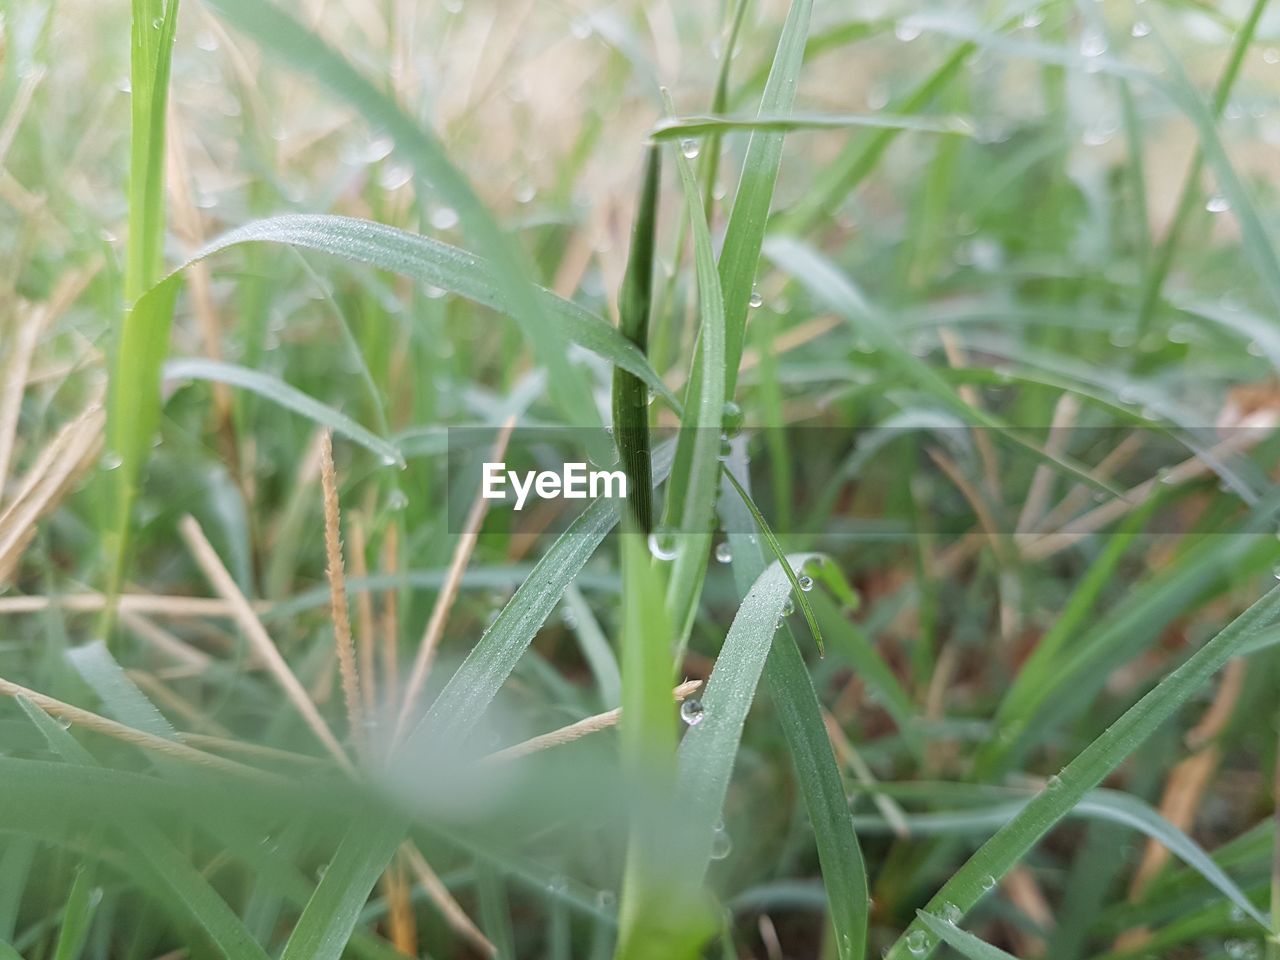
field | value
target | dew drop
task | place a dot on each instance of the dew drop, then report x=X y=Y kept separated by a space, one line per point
x=444 y=218
x=918 y=943
x=806 y=582
x=950 y=913
x=606 y=900
x=157 y=23
x=111 y=460
x=1271 y=55
x=1140 y=29
x=1032 y=19
x=724 y=552
x=756 y=300
x=1093 y=44
x=692 y=711
x=731 y=419
x=906 y=30
x=580 y=28
x=988 y=883
x=1218 y=204
x=788 y=607
x=662 y=545
x=397 y=500
x=689 y=147
x=525 y=192
x=721 y=842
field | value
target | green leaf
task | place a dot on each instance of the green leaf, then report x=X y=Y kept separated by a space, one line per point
x=744 y=234
x=630 y=394
x=291 y=398
x=961 y=940
x=843 y=871
x=439 y=265
x=828 y=285
x=697 y=126
x=330 y=916
x=999 y=854
x=293 y=44
x=120 y=696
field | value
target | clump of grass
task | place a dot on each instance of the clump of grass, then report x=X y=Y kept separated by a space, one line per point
x=945 y=374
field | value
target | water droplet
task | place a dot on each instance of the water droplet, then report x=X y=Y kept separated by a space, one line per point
x=157 y=23
x=906 y=30
x=606 y=900
x=692 y=711
x=689 y=147
x=1255 y=349
x=580 y=28
x=918 y=943
x=755 y=300
x=1032 y=19
x=724 y=552
x=1271 y=55
x=64 y=723
x=731 y=419
x=206 y=41
x=950 y=913
x=397 y=500
x=1218 y=204
x=1140 y=29
x=111 y=460
x=806 y=582
x=662 y=545
x=444 y=218
x=721 y=843
x=525 y=192
x=1093 y=44
x=988 y=883
x=788 y=606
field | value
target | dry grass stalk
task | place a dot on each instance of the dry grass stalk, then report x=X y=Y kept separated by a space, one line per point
x=126 y=734
x=364 y=617
x=448 y=593
x=338 y=596
x=849 y=756
x=211 y=565
x=578 y=730
x=449 y=908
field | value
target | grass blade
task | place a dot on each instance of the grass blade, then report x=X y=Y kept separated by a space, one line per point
x=630 y=394
x=280 y=33
x=697 y=126
x=844 y=873
x=962 y=941
x=279 y=392
x=744 y=234
x=440 y=265
x=968 y=885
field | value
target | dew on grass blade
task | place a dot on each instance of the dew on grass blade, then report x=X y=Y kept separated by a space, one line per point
x=692 y=711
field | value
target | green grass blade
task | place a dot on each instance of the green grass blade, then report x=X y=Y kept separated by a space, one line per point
x=1162 y=258
x=472 y=688
x=281 y=393
x=999 y=854
x=288 y=39
x=961 y=941
x=77 y=916
x=827 y=284
x=791 y=689
x=330 y=916
x=439 y=265
x=122 y=700
x=691 y=495
x=630 y=394
x=697 y=126
x=744 y=234
x=708 y=751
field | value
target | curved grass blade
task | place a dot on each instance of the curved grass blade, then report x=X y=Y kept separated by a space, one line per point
x=291 y=398
x=962 y=941
x=330 y=916
x=791 y=689
x=708 y=751
x=630 y=394
x=435 y=264
x=691 y=495
x=172 y=868
x=284 y=36
x=999 y=854
x=696 y=126
x=826 y=283
x=472 y=688
x=744 y=233
x=800 y=593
